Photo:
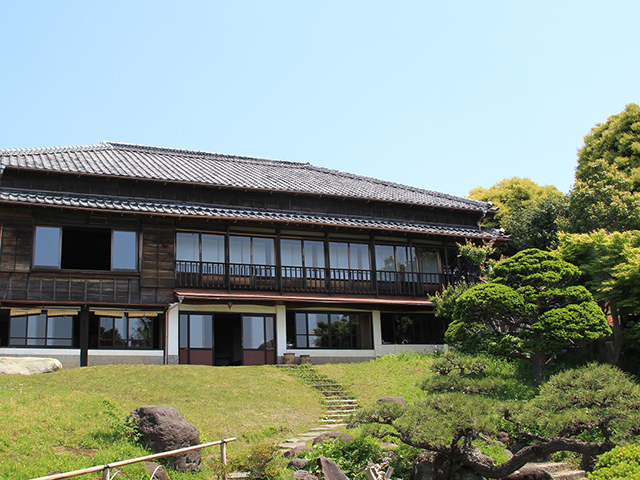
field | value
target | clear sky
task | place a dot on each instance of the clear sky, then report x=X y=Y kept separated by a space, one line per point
x=440 y=95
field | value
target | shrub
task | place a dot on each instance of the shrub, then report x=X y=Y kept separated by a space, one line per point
x=351 y=457
x=618 y=464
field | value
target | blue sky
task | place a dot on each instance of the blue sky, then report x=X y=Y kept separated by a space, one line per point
x=440 y=95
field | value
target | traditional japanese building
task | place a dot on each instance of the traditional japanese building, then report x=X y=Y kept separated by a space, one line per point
x=117 y=253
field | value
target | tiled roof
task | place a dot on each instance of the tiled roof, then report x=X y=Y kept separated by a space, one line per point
x=151 y=207
x=155 y=163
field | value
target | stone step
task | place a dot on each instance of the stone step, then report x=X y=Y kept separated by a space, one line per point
x=551 y=466
x=319 y=429
x=569 y=475
x=344 y=400
x=349 y=411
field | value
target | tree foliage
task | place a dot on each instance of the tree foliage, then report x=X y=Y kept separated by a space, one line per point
x=606 y=193
x=587 y=410
x=527 y=211
x=529 y=310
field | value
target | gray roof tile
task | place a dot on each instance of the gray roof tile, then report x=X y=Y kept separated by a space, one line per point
x=98 y=202
x=155 y=163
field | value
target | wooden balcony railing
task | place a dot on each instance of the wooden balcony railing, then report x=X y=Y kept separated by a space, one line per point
x=307 y=279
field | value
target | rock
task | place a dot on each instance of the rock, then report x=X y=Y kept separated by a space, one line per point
x=156 y=471
x=466 y=474
x=503 y=437
x=398 y=400
x=304 y=475
x=295 y=451
x=28 y=365
x=529 y=473
x=331 y=470
x=297 y=463
x=430 y=466
x=163 y=429
x=335 y=436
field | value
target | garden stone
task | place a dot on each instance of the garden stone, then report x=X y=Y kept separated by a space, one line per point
x=162 y=428
x=398 y=400
x=466 y=474
x=331 y=470
x=297 y=463
x=304 y=475
x=296 y=451
x=156 y=470
x=530 y=473
x=335 y=436
x=430 y=466
x=28 y=365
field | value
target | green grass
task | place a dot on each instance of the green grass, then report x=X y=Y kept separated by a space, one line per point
x=391 y=375
x=74 y=418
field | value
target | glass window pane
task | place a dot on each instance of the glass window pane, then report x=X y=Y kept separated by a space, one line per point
x=263 y=251
x=339 y=254
x=313 y=254
x=359 y=256
x=106 y=332
x=125 y=250
x=140 y=332
x=270 y=333
x=240 y=250
x=184 y=331
x=213 y=248
x=301 y=323
x=19 y=326
x=403 y=259
x=384 y=258
x=201 y=334
x=428 y=261
x=253 y=332
x=120 y=332
x=37 y=326
x=301 y=341
x=60 y=327
x=47 y=247
x=188 y=247
x=291 y=252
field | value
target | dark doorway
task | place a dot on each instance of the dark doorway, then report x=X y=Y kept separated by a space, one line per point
x=224 y=339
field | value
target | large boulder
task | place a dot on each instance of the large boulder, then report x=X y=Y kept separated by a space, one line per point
x=331 y=470
x=303 y=475
x=430 y=466
x=28 y=365
x=162 y=429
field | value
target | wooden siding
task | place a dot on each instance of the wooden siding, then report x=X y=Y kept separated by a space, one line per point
x=16 y=247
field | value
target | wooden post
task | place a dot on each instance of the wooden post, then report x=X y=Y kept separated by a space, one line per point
x=84 y=336
x=105 y=474
x=223 y=459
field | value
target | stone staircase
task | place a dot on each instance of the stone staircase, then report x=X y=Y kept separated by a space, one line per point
x=340 y=406
x=560 y=470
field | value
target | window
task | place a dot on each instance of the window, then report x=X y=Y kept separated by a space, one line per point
x=328 y=330
x=85 y=248
x=251 y=250
x=200 y=253
x=300 y=256
x=354 y=256
x=412 y=329
x=40 y=330
x=124 y=330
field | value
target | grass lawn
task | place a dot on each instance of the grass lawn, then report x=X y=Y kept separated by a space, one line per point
x=74 y=418
x=391 y=375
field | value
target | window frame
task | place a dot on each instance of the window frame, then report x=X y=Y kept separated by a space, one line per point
x=112 y=246
x=47 y=338
x=356 y=339
x=127 y=341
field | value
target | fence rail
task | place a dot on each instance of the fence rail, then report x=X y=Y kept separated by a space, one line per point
x=234 y=276
x=106 y=468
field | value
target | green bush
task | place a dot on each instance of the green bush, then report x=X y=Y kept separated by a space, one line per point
x=618 y=464
x=351 y=457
